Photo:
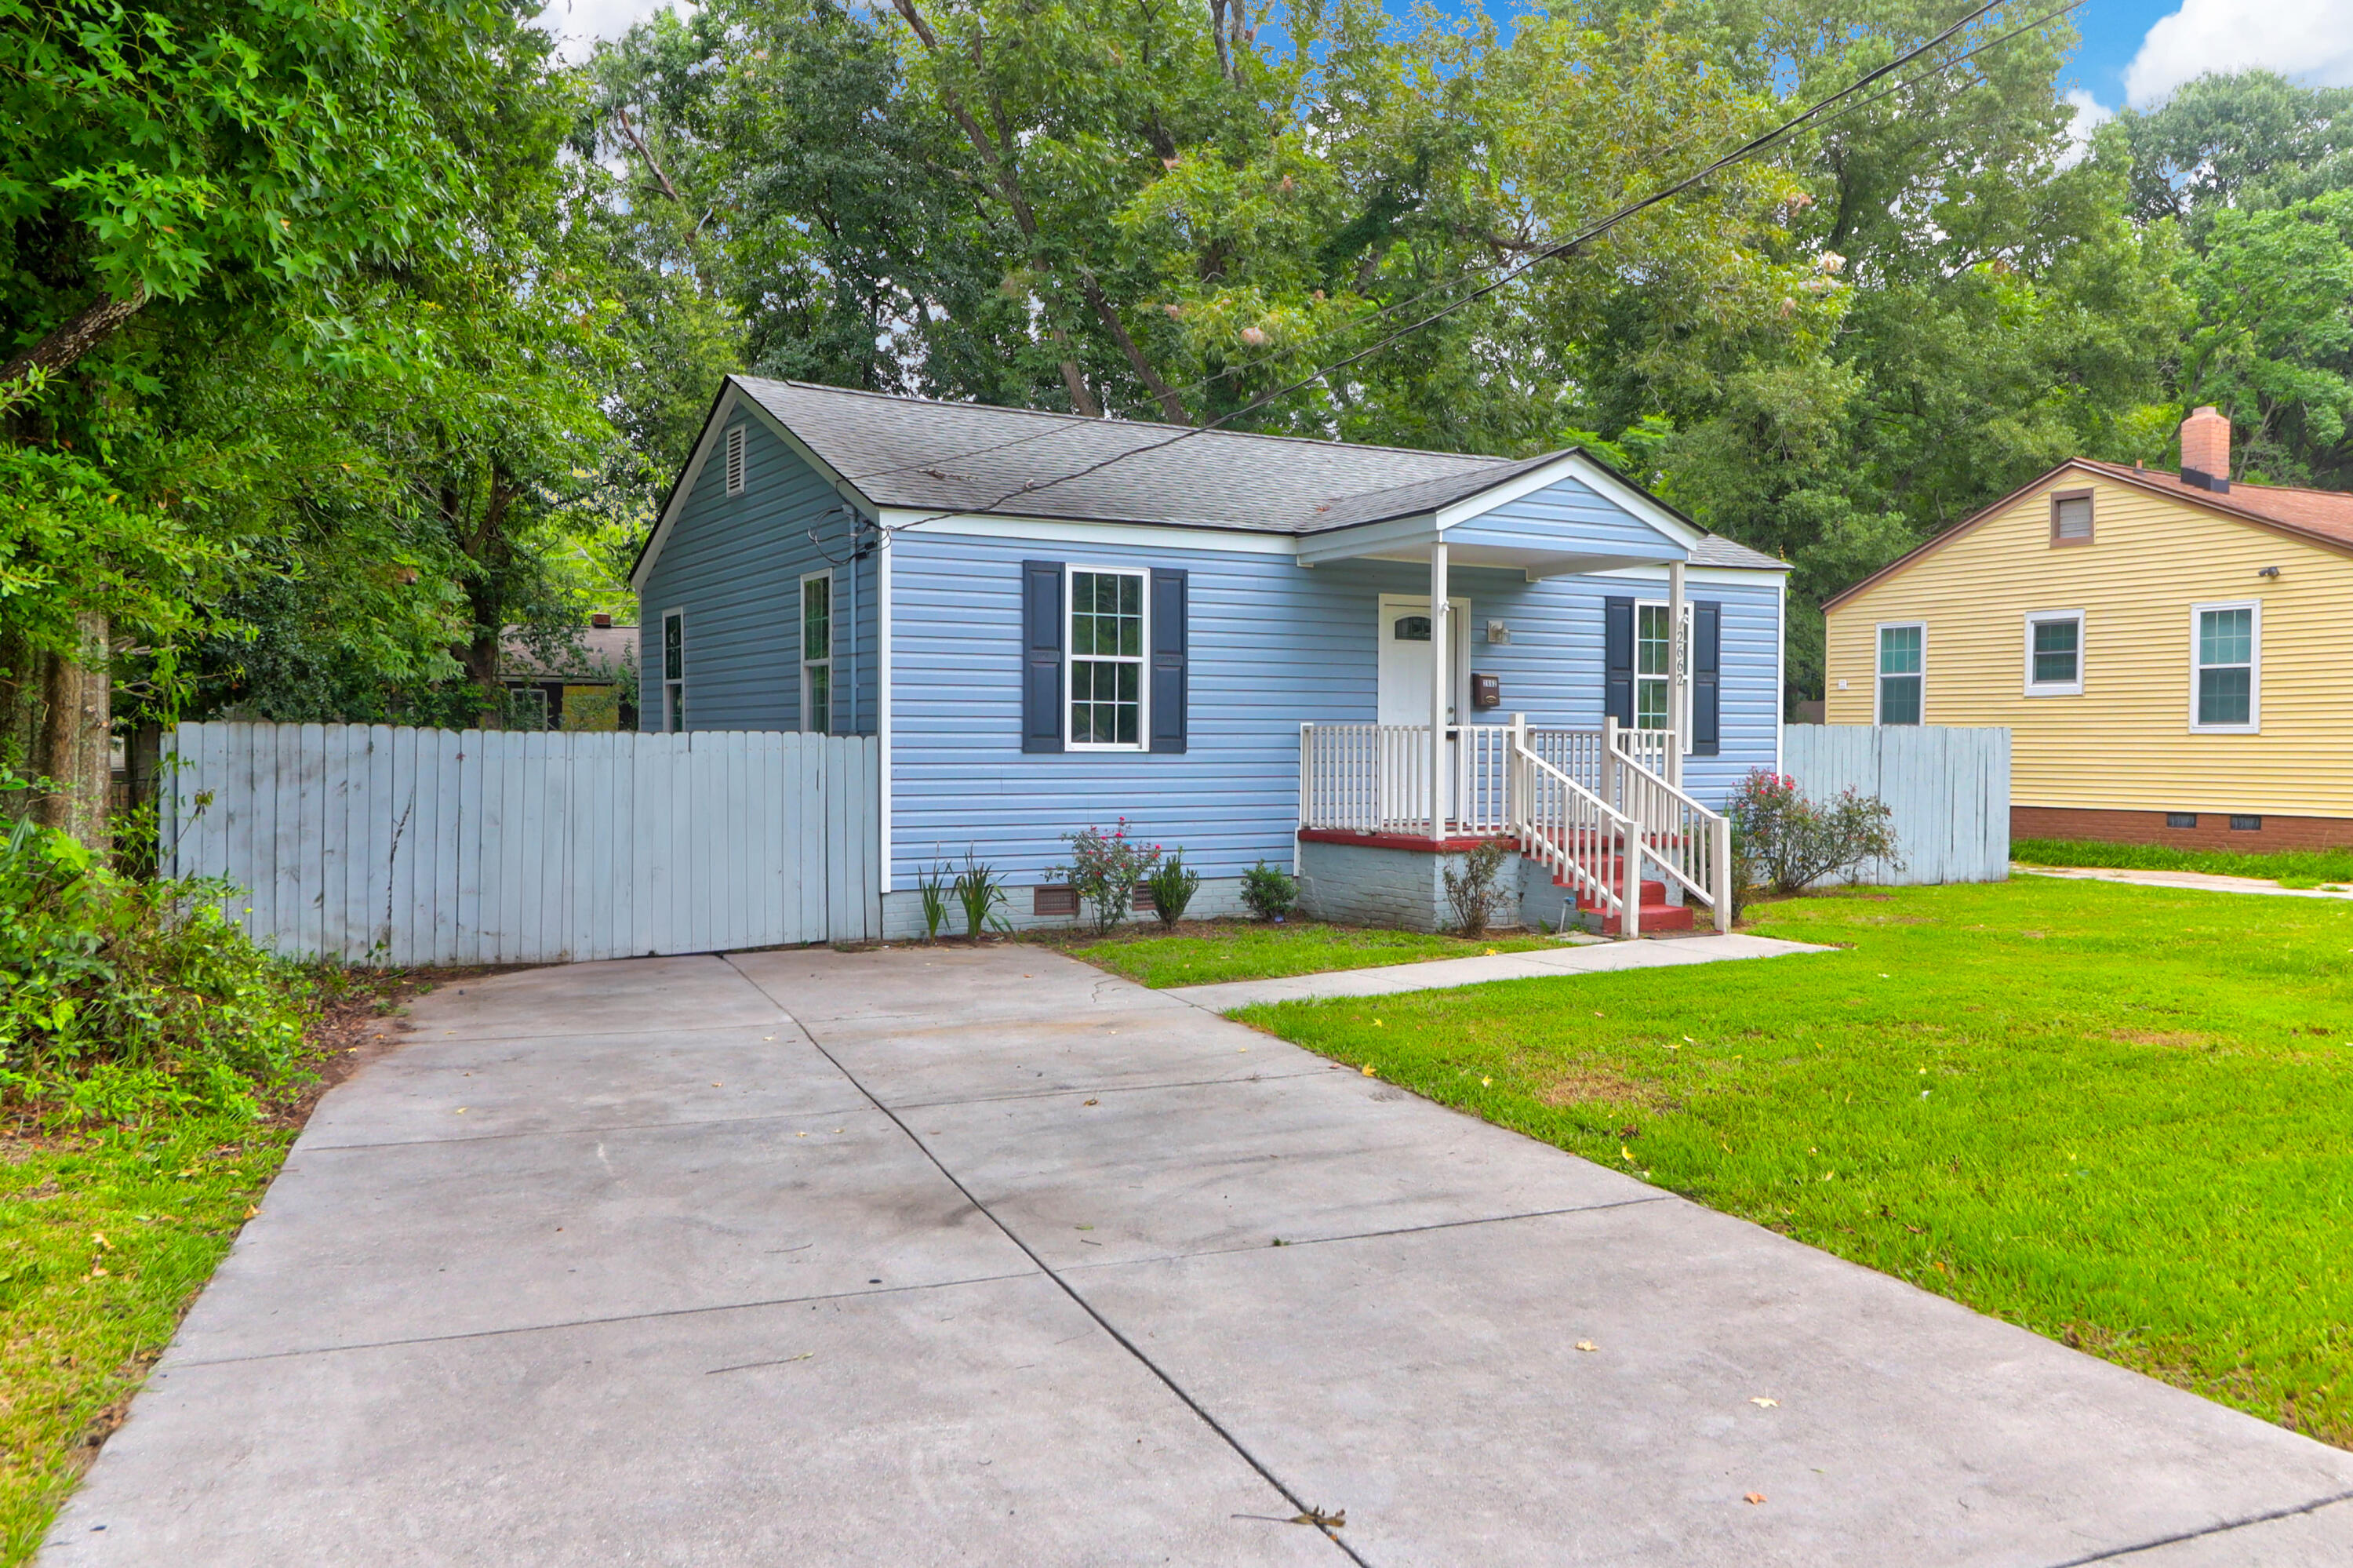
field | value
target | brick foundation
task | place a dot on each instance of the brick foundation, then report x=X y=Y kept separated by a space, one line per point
x=2213 y=829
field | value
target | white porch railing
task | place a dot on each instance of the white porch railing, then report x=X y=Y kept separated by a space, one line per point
x=1691 y=843
x=1595 y=807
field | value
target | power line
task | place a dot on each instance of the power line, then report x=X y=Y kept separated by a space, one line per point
x=1833 y=107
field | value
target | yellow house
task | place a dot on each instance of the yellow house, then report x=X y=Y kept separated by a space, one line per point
x=2173 y=652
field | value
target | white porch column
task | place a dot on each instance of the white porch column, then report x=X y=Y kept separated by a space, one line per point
x=1441 y=686
x=1678 y=676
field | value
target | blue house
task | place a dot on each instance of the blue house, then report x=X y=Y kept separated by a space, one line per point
x=1352 y=662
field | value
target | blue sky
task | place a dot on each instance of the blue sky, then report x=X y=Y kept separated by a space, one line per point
x=2134 y=50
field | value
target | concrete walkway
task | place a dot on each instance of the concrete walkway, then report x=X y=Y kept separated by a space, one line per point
x=2197 y=880
x=987 y=1257
x=1582 y=957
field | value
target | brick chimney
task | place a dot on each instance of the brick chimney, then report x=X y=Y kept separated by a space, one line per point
x=2205 y=449
x=600 y=619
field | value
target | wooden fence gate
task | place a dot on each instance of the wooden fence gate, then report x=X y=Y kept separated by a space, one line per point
x=376 y=844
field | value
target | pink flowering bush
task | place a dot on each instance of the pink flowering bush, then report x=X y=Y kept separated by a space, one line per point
x=1104 y=869
x=1782 y=839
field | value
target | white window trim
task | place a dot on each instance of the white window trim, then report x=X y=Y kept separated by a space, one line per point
x=803 y=664
x=1677 y=723
x=674 y=692
x=2031 y=687
x=1070 y=569
x=1879 y=676
x=734 y=462
x=2255 y=725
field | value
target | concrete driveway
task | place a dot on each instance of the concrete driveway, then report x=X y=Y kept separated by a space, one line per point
x=985 y=1258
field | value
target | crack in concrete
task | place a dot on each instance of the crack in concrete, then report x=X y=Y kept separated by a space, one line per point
x=560 y=1326
x=2116 y=1552
x=1166 y=1379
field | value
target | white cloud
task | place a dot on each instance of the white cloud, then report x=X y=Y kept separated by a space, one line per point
x=2308 y=40
x=2090 y=115
x=578 y=23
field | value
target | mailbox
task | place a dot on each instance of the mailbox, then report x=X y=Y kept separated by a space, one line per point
x=1486 y=690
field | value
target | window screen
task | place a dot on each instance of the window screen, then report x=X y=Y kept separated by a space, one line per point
x=1901 y=670
x=2058 y=652
x=1106 y=658
x=2226 y=665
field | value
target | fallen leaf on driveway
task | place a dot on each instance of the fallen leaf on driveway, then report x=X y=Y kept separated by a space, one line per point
x=1368 y=1071
x=1764 y=1402
x=1587 y=1345
x=1754 y=1497
x=1094 y=1102
x=1317 y=1517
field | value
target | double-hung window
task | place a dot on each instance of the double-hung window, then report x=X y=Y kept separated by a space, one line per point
x=1654 y=664
x=1903 y=665
x=2226 y=667
x=2054 y=653
x=673 y=658
x=1106 y=659
x=816 y=653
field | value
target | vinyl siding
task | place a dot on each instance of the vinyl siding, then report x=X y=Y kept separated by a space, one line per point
x=735 y=565
x=1273 y=644
x=2125 y=743
x=1567 y=510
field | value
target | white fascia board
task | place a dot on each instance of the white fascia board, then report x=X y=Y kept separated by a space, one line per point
x=1059 y=531
x=1577 y=466
x=1367 y=539
x=1763 y=576
x=733 y=397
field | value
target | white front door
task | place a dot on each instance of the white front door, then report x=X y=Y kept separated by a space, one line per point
x=1405 y=674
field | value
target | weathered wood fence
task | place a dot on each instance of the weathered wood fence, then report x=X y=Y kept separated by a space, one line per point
x=377 y=844
x=1949 y=789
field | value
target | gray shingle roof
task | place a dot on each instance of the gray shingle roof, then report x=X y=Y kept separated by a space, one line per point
x=972 y=458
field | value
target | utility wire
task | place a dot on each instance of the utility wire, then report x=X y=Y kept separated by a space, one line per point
x=1823 y=110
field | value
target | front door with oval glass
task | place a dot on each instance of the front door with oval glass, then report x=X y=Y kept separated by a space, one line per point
x=1405 y=674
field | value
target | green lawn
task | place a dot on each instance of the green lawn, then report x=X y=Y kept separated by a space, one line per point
x=104 y=1240
x=107 y=1233
x=2121 y=1116
x=2292 y=868
x=1204 y=952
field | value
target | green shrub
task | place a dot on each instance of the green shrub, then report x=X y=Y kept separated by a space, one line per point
x=1472 y=891
x=1104 y=869
x=1173 y=885
x=120 y=998
x=1789 y=842
x=1267 y=893
x=979 y=891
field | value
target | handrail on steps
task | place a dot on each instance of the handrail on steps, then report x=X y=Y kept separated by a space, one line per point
x=1579 y=831
x=1690 y=843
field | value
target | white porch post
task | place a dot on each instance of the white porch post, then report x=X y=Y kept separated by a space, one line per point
x=1442 y=684
x=1678 y=676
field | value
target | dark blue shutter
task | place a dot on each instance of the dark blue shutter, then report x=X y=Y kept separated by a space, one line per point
x=1168 y=645
x=1618 y=660
x=1042 y=656
x=1707 y=662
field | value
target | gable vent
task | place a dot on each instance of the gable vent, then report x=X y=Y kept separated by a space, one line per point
x=736 y=460
x=2073 y=519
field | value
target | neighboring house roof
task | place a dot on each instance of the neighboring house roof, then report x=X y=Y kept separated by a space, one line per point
x=605 y=651
x=972 y=458
x=2323 y=516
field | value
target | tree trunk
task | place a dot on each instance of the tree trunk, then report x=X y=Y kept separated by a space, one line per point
x=57 y=725
x=69 y=342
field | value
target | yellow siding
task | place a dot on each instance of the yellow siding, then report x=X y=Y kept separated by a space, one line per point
x=2125 y=743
